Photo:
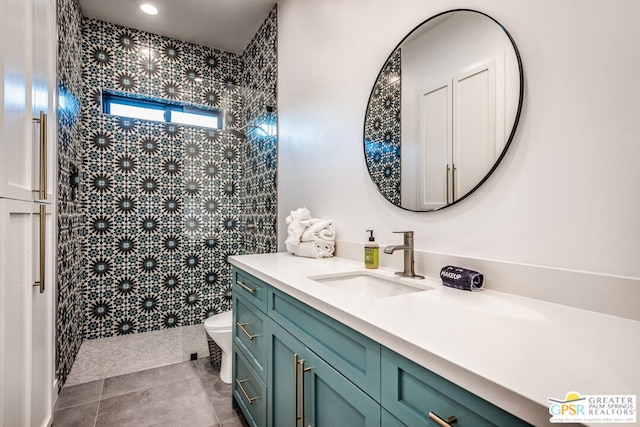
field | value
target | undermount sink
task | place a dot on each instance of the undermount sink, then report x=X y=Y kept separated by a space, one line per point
x=368 y=285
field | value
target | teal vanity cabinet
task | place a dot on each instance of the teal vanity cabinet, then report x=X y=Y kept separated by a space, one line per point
x=296 y=367
x=284 y=380
x=418 y=397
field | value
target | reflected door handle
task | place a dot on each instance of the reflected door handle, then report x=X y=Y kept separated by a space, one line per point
x=446 y=174
x=43 y=225
x=453 y=183
x=42 y=168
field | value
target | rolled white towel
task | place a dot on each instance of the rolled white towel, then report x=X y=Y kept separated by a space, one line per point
x=295 y=230
x=316 y=249
x=318 y=229
x=297 y=222
x=291 y=248
x=300 y=214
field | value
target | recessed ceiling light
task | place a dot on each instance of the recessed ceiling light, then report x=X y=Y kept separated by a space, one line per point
x=149 y=9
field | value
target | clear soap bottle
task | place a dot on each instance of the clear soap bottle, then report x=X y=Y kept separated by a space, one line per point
x=371 y=252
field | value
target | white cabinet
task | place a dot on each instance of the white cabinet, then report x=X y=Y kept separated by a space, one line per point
x=26 y=313
x=27 y=100
x=28 y=159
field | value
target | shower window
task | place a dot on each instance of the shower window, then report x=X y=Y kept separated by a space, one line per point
x=160 y=111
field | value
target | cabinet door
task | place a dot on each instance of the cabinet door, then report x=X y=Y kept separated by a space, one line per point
x=44 y=98
x=329 y=399
x=285 y=352
x=305 y=391
x=27 y=46
x=26 y=314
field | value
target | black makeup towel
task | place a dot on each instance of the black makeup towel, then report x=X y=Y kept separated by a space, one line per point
x=461 y=278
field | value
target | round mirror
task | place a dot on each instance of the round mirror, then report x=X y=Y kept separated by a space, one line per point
x=443 y=110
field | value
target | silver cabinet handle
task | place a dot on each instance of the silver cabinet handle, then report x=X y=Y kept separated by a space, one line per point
x=241 y=326
x=442 y=422
x=301 y=375
x=245 y=287
x=246 y=395
x=295 y=390
x=42 y=184
x=43 y=236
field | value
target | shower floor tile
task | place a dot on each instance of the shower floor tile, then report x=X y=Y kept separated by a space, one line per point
x=118 y=355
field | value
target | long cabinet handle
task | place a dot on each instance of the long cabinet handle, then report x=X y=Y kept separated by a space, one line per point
x=447 y=175
x=453 y=182
x=442 y=422
x=42 y=168
x=242 y=328
x=43 y=235
x=244 y=392
x=245 y=287
x=301 y=375
x=295 y=390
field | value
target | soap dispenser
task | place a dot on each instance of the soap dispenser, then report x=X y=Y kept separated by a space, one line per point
x=371 y=252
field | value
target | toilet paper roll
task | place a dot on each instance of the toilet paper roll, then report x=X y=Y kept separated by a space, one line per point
x=461 y=278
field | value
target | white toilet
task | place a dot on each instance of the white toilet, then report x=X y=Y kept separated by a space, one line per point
x=219 y=329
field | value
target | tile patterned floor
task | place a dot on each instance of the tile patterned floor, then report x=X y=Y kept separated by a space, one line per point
x=182 y=394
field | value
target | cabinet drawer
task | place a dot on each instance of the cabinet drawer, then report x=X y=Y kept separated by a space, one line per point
x=248 y=333
x=410 y=392
x=249 y=391
x=253 y=289
x=349 y=352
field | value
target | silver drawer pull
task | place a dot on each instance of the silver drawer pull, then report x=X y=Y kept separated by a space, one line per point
x=241 y=326
x=245 y=287
x=246 y=396
x=442 y=422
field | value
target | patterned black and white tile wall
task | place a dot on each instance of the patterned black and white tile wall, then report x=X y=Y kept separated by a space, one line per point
x=164 y=202
x=260 y=160
x=382 y=130
x=70 y=312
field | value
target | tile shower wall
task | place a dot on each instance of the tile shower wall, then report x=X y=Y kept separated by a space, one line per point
x=382 y=131
x=70 y=236
x=164 y=202
x=259 y=181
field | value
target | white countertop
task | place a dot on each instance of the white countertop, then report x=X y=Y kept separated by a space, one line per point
x=513 y=351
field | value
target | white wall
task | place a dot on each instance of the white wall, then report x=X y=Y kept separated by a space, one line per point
x=567 y=194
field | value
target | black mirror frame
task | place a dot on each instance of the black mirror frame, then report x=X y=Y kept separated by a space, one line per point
x=511 y=134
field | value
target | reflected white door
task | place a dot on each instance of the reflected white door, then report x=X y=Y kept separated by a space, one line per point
x=434 y=160
x=474 y=132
